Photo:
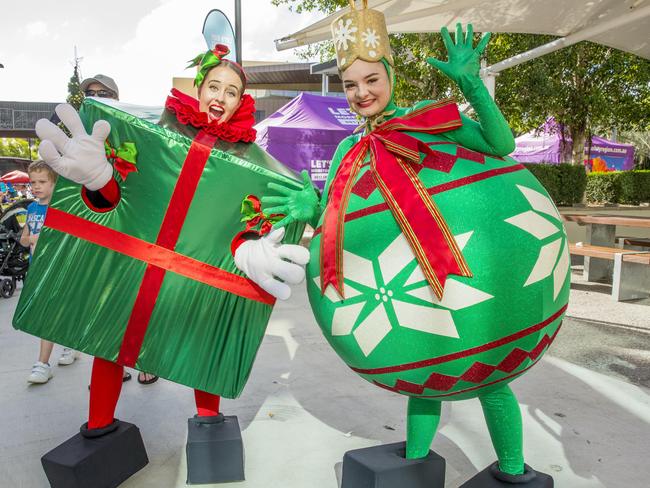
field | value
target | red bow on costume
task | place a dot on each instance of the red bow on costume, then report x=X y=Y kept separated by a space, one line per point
x=221 y=50
x=253 y=216
x=392 y=156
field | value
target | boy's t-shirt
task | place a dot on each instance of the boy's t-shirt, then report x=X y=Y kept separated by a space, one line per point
x=35 y=217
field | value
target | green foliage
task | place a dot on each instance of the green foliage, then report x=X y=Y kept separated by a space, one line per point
x=627 y=187
x=587 y=87
x=565 y=183
x=18 y=148
x=603 y=187
x=634 y=187
x=75 y=95
x=326 y=6
x=641 y=142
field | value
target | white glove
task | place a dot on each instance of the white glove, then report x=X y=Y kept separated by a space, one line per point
x=262 y=261
x=81 y=158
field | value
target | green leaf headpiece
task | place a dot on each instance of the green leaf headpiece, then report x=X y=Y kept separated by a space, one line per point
x=208 y=60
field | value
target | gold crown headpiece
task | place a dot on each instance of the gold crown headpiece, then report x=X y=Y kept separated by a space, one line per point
x=360 y=34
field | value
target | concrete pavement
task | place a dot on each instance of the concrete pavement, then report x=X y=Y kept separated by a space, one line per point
x=586 y=410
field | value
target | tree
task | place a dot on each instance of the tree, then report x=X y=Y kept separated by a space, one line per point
x=75 y=95
x=641 y=141
x=587 y=88
x=18 y=148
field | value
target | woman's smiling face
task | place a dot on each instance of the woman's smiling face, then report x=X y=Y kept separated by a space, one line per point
x=220 y=94
x=367 y=87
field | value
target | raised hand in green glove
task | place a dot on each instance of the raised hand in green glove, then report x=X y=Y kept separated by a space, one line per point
x=298 y=205
x=464 y=59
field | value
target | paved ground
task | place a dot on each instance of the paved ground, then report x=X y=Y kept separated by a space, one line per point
x=586 y=409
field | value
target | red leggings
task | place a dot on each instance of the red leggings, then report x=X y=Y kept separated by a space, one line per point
x=105 y=387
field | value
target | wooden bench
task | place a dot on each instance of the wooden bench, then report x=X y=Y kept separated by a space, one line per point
x=631 y=278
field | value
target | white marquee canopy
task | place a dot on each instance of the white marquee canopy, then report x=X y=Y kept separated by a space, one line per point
x=622 y=24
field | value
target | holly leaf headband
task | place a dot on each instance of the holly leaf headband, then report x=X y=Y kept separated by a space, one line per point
x=208 y=60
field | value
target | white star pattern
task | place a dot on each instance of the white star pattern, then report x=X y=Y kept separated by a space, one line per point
x=370 y=38
x=542 y=228
x=344 y=33
x=384 y=287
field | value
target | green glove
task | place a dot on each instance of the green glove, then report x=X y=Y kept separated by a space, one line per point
x=297 y=205
x=464 y=60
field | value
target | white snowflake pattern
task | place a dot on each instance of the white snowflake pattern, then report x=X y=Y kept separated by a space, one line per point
x=344 y=33
x=385 y=288
x=370 y=38
x=551 y=232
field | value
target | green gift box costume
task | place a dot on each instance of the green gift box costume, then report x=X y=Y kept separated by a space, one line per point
x=152 y=283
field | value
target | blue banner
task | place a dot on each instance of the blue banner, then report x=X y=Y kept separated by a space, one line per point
x=217 y=29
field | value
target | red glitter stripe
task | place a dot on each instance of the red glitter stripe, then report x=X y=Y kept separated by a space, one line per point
x=472 y=388
x=138 y=323
x=170 y=229
x=412 y=390
x=380 y=207
x=463 y=354
x=155 y=255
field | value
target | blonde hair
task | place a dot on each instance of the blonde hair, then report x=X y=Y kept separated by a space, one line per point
x=40 y=165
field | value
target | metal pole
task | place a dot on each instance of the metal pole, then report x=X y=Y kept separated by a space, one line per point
x=489 y=79
x=238 y=30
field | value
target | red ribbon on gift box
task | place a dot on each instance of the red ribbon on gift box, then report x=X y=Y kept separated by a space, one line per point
x=393 y=156
x=160 y=256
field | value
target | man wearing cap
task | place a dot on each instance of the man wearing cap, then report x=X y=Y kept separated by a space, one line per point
x=100 y=86
x=103 y=86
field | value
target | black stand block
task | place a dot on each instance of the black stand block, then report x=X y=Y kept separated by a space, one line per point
x=491 y=477
x=386 y=466
x=215 y=451
x=98 y=462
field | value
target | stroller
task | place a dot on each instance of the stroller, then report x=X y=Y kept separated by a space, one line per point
x=14 y=258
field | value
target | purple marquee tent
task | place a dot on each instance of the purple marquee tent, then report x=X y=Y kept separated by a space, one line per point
x=543 y=146
x=304 y=133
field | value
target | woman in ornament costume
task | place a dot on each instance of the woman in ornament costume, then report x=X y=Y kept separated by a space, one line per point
x=439 y=267
x=222 y=116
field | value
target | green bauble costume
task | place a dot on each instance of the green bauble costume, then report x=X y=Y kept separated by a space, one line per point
x=439 y=267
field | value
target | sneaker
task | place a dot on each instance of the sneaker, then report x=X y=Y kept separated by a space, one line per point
x=68 y=356
x=41 y=373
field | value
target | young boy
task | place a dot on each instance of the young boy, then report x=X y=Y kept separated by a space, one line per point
x=42 y=180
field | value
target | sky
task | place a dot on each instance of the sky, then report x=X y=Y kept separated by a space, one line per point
x=142 y=44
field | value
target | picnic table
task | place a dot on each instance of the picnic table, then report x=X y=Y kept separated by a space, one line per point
x=605 y=261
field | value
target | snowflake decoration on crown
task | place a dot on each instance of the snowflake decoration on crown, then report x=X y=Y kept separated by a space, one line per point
x=344 y=33
x=370 y=38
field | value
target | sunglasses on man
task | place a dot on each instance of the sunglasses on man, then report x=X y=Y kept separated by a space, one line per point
x=99 y=93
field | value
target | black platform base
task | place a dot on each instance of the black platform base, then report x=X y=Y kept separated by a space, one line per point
x=491 y=477
x=386 y=466
x=97 y=462
x=215 y=451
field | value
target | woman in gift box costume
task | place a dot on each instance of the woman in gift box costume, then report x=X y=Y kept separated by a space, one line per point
x=439 y=268
x=222 y=117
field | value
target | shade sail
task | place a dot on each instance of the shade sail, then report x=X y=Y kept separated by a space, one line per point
x=628 y=20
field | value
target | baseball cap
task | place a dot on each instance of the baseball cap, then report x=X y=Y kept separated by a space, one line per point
x=107 y=81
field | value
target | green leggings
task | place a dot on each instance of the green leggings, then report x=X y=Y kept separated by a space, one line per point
x=503 y=418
